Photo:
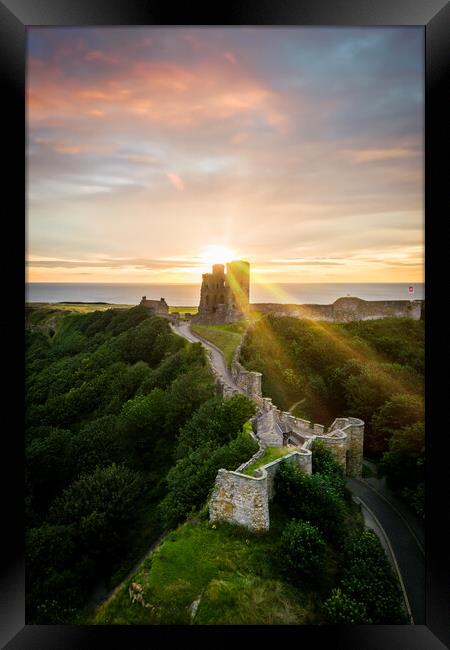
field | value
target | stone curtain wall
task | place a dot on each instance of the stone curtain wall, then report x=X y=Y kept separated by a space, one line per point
x=355 y=442
x=348 y=309
x=248 y=381
x=241 y=499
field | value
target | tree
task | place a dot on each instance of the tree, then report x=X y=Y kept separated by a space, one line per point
x=58 y=576
x=190 y=480
x=97 y=444
x=216 y=422
x=142 y=422
x=101 y=505
x=302 y=550
x=399 y=411
x=403 y=464
x=47 y=464
x=185 y=395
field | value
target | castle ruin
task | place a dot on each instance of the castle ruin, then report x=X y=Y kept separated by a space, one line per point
x=243 y=499
x=224 y=297
x=159 y=307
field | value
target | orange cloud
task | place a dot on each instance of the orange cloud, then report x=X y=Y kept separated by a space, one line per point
x=72 y=149
x=161 y=92
x=371 y=155
x=229 y=56
x=176 y=181
x=98 y=55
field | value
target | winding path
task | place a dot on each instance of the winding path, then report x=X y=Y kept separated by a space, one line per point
x=215 y=354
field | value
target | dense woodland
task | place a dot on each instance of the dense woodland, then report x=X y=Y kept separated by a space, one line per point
x=124 y=436
x=373 y=370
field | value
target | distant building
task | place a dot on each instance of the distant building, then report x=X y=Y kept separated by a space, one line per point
x=156 y=306
x=224 y=297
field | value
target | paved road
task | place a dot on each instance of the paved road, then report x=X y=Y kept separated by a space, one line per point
x=406 y=547
x=413 y=521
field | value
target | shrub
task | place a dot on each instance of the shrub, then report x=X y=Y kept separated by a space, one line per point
x=416 y=498
x=302 y=550
x=324 y=463
x=369 y=579
x=310 y=498
x=341 y=608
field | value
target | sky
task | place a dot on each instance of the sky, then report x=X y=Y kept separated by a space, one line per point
x=153 y=152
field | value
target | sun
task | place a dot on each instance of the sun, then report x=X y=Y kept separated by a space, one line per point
x=217 y=254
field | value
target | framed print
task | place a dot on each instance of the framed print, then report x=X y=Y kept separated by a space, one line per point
x=233 y=231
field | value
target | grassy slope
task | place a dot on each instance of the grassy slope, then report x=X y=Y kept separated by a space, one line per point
x=233 y=572
x=270 y=454
x=183 y=310
x=298 y=349
x=226 y=337
x=79 y=308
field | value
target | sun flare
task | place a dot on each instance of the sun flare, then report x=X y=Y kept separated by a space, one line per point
x=217 y=254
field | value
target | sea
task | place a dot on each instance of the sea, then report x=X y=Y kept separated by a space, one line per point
x=187 y=295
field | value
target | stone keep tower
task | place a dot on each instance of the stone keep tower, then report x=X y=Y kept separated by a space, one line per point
x=224 y=297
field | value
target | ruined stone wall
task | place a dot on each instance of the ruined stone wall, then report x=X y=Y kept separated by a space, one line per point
x=355 y=443
x=241 y=499
x=249 y=381
x=347 y=309
x=336 y=443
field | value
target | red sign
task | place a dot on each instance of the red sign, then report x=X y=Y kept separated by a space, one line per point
x=410 y=289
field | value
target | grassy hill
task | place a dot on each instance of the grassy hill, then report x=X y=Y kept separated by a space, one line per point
x=228 y=574
x=226 y=337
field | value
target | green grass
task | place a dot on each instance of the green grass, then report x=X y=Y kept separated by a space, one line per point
x=183 y=310
x=226 y=337
x=233 y=572
x=47 y=317
x=79 y=308
x=270 y=454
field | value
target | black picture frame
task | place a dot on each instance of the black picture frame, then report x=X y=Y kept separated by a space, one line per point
x=15 y=17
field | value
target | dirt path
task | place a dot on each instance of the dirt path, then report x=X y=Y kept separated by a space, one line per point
x=300 y=401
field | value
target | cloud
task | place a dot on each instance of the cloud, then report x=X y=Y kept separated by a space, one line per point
x=176 y=181
x=111 y=263
x=98 y=55
x=157 y=91
x=229 y=56
x=303 y=145
x=375 y=155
